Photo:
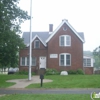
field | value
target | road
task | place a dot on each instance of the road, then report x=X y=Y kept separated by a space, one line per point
x=48 y=91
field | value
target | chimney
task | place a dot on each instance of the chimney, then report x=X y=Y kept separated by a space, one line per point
x=50 y=27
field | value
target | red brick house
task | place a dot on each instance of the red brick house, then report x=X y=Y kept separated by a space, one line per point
x=61 y=49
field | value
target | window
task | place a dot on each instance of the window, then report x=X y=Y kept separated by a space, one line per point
x=36 y=44
x=65 y=28
x=65 y=59
x=33 y=61
x=25 y=61
x=65 y=40
x=87 y=62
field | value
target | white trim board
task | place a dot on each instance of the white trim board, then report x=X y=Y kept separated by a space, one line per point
x=36 y=36
x=64 y=21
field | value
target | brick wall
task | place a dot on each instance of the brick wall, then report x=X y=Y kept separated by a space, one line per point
x=42 y=51
x=76 y=50
x=88 y=70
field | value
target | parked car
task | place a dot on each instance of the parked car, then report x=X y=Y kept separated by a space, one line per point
x=12 y=70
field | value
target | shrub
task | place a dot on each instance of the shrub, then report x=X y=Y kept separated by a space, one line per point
x=79 y=71
x=51 y=72
x=24 y=73
x=71 y=72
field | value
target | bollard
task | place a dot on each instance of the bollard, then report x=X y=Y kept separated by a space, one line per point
x=41 y=77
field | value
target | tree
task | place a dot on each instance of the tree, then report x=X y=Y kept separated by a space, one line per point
x=96 y=54
x=11 y=17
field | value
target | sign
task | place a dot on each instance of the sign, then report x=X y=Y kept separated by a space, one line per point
x=53 y=55
x=95 y=95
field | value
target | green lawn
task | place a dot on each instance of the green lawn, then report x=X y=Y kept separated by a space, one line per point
x=70 y=81
x=4 y=78
x=47 y=97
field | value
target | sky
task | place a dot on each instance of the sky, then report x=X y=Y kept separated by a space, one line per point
x=83 y=15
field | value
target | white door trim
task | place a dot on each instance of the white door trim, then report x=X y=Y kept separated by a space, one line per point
x=42 y=62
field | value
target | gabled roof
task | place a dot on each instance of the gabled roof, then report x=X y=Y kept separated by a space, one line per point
x=88 y=53
x=42 y=36
x=36 y=36
x=79 y=35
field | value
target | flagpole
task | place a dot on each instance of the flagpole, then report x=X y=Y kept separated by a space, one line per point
x=30 y=47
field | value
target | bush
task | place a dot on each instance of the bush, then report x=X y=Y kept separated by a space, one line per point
x=71 y=72
x=51 y=72
x=24 y=73
x=79 y=71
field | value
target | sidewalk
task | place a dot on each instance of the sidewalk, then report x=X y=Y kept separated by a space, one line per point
x=22 y=83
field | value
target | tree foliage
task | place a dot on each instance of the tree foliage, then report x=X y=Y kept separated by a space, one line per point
x=11 y=17
x=96 y=54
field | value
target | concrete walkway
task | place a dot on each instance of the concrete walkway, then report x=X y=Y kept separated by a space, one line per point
x=22 y=83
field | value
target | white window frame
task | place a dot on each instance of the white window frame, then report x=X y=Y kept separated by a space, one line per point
x=85 y=63
x=26 y=64
x=64 y=59
x=65 y=40
x=34 y=61
x=21 y=61
x=35 y=44
x=27 y=61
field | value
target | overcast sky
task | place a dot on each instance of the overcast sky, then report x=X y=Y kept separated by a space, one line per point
x=83 y=15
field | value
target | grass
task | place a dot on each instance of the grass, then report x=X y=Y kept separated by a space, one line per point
x=70 y=81
x=47 y=97
x=4 y=78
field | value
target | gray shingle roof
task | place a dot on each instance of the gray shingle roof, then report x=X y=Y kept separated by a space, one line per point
x=81 y=34
x=42 y=35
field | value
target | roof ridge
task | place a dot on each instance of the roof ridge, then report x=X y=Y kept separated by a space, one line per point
x=36 y=31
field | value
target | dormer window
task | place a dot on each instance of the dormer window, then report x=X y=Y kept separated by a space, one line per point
x=65 y=40
x=36 y=44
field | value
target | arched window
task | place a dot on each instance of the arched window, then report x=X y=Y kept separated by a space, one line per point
x=65 y=40
x=65 y=59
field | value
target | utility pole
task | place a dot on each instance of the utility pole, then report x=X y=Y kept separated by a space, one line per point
x=30 y=47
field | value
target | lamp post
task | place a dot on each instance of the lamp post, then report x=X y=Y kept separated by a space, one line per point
x=30 y=47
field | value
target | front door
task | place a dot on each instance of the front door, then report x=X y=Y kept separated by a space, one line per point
x=43 y=62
